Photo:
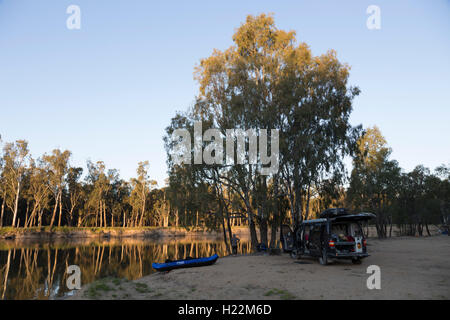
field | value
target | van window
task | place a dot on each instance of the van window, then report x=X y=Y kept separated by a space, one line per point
x=355 y=230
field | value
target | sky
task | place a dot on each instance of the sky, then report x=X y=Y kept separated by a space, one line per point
x=107 y=91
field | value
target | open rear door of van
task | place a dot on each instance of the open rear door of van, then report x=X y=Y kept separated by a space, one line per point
x=287 y=238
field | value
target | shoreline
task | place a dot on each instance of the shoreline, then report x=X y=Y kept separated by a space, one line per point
x=46 y=234
x=8 y=234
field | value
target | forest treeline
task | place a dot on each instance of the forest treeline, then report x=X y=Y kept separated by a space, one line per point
x=48 y=191
x=265 y=80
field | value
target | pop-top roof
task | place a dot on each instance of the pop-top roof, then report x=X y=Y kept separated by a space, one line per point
x=334 y=212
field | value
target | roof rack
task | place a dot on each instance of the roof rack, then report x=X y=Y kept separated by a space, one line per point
x=334 y=212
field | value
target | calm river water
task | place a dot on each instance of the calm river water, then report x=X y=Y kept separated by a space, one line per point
x=37 y=270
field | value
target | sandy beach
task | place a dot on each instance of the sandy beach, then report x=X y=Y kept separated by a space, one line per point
x=411 y=268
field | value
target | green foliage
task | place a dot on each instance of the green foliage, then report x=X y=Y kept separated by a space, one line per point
x=142 y=287
x=411 y=200
x=267 y=80
x=47 y=191
x=283 y=294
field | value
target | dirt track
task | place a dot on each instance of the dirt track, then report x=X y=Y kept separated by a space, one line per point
x=411 y=268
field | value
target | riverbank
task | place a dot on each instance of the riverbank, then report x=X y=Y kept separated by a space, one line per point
x=411 y=268
x=47 y=233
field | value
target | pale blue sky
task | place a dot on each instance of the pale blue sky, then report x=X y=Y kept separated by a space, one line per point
x=107 y=91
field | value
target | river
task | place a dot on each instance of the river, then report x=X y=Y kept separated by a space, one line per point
x=37 y=269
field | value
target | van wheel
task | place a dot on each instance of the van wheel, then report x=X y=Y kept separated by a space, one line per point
x=294 y=254
x=323 y=260
x=356 y=261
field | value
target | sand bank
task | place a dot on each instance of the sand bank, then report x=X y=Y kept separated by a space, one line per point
x=411 y=268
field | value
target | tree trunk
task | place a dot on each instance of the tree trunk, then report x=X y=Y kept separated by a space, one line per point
x=230 y=233
x=54 y=211
x=3 y=211
x=273 y=234
x=40 y=217
x=60 y=209
x=390 y=228
x=251 y=224
x=253 y=235
x=420 y=229
x=26 y=214
x=16 y=205
x=263 y=231
x=428 y=230
x=307 y=202
x=297 y=208
x=141 y=220
x=70 y=220
x=100 y=214
x=225 y=236
x=143 y=207
x=33 y=214
x=104 y=214
x=136 y=219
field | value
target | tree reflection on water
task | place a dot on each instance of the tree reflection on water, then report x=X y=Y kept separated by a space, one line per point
x=38 y=270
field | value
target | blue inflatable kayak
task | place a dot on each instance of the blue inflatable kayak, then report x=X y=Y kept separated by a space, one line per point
x=187 y=263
